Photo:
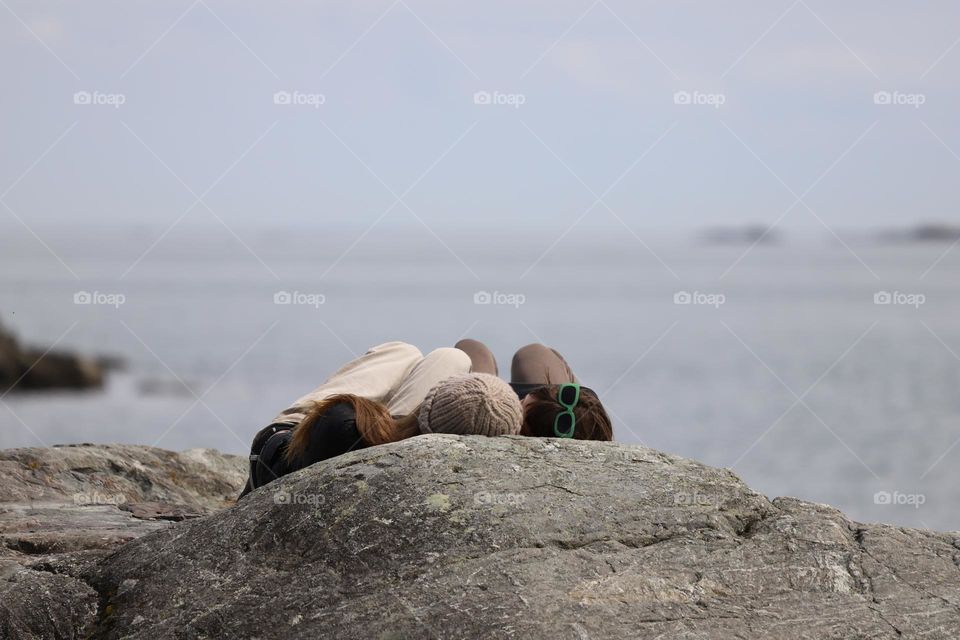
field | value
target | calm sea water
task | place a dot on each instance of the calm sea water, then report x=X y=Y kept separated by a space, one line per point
x=798 y=380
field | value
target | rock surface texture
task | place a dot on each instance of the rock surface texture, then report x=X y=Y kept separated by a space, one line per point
x=467 y=537
x=63 y=509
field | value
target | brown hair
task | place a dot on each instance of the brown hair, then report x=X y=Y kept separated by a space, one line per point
x=539 y=415
x=408 y=426
x=374 y=423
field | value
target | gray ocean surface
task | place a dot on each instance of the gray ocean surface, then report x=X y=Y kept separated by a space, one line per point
x=798 y=380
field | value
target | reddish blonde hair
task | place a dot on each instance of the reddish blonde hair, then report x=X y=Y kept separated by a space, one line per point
x=374 y=424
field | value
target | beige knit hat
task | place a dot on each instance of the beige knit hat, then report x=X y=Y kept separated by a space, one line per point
x=471 y=404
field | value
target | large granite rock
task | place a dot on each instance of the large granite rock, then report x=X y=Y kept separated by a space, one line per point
x=467 y=537
x=63 y=509
x=30 y=369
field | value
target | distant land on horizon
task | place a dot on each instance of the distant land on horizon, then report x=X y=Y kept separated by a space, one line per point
x=932 y=232
x=764 y=234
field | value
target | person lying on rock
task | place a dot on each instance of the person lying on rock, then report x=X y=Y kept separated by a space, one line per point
x=388 y=394
x=555 y=405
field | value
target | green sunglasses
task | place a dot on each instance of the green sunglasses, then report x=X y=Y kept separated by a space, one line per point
x=568 y=395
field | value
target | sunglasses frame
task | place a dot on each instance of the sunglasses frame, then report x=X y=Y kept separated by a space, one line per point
x=568 y=410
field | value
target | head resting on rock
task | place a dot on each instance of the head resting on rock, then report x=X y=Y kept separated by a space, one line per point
x=471 y=404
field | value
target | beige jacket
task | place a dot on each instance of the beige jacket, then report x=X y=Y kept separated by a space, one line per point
x=395 y=374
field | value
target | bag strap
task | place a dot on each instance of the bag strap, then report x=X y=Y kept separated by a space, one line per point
x=255 y=455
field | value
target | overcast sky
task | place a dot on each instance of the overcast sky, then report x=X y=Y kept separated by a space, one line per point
x=389 y=127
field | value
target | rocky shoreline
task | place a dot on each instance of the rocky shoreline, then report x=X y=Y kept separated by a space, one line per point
x=63 y=509
x=448 y=537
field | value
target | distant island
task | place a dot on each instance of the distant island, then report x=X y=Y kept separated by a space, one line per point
x=24 y=368
x=747 y=234
x=923 y=233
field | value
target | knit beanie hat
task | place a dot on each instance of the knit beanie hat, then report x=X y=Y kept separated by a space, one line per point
x=471 y=404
